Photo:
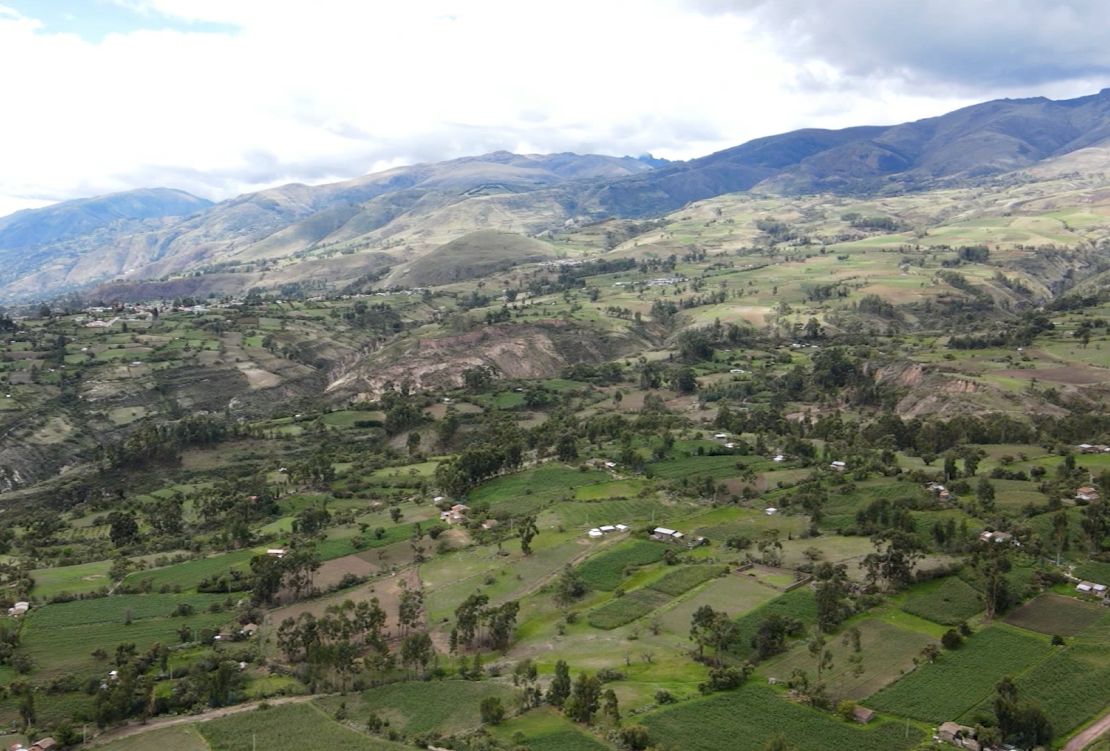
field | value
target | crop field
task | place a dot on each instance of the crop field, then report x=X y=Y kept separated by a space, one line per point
x=1071 y=685
x=887 y=651
x=625 y=609
x=178 y=738
x=292 y=727
x=960 y=679
x=584 y=514
x=116 y=608
x=528 y=491
x=606 y=570
x=683 y=579
x=189 y=574
x=745 y=719
x=949 y=601
x=799 y=604
x=68 y=649
x=412 y=708
x=547 y=730
x=1096 y=571
x=736 y=594
x=1056 y=614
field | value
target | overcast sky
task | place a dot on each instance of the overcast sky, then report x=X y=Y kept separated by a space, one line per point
x=219 y=97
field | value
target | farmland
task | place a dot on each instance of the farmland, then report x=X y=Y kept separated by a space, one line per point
x=949 y=601
x=960 y=679
x=607 y=570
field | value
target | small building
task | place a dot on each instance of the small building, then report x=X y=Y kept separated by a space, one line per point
x=988 y=536
x=276 y=552
x=862 y=715
x=490 y=524
x=1085 y=587
x=621 y=527
x=20 y=608
x=44 y=744
x=721 y=436
x=1087 y=493
x=958 y=735
x=770 y=511
x=249 y=630
x=595 y=533
x=456 y=514
x=665 y=534
x=610 y=465
x=838 y=466
x=607 y=528
x=779 y=458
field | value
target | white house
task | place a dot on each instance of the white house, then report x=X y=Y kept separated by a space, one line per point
x=779 y=458
x=770 y=511
x=665 y=534
x=276 y=552
x=595 y=533
x=838 y=466
x=20 y=608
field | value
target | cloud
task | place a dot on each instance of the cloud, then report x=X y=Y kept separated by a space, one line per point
x=220 y=97
x=972 y=44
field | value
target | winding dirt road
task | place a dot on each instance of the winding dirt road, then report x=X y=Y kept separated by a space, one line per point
x=213 y=714
x=1089 y=735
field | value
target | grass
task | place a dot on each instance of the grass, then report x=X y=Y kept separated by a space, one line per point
x=736 y=594
x=84 y=577
x=960 y=679
x=622 y=610
x=548 y=730
x=292 y=727
x=606 y=570
x=949 y=601
x=419 y=707
x=1056 y=614
x=681 y=580
x=528 y=491
x=1095 y=571
x=745 y=719
x=887 y=651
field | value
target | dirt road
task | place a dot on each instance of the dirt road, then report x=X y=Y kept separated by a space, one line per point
x=1090 y=735
x=213 y=714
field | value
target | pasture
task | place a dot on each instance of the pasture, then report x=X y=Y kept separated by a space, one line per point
x=291 y=727
x=627 y=608
x=607 y=570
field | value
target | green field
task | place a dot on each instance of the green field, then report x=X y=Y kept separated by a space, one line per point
x=293 y=727
x=960 y=679
x=745 y=719
x=949 y=601
x=606 y=570
x=418 y=707
x=85 y=577
x=681 y=580
x=625 y=609
x=189 y=574
x=736 y=594
x=114 y=609
x=547 y=730
x=799 y=604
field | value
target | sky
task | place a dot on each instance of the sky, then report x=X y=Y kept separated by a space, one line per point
x=221 y=97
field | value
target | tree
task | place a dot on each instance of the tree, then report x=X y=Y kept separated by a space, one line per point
x=570 y=586
x=831 y=592
x=984 y=493
x=610 y=707
x=993 y=563
x=528 y=532
x=492 y=711
x=413 y=443
x=559 y=690
x=635 y=737
x=584 y=699
x=896 y=554
x=124 y=530
x=1060 y=534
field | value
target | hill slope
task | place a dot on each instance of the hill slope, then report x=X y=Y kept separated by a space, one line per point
x=473 y=256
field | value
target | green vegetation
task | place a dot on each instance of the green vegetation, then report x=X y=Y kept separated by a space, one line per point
x=949 y=601
x=607 y=570
x=627 y=608
x=287 y=728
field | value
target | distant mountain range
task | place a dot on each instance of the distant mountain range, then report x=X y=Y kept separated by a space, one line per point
x=379 y=223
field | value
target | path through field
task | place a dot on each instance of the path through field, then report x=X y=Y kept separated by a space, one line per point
x=213 y=714
x=1090 y=735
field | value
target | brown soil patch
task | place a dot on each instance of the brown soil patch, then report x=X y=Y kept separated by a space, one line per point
x=332 y=572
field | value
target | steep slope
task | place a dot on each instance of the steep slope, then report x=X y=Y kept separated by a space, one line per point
x=473 y=256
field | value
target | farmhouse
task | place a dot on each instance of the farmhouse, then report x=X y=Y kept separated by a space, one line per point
x=779 y=458
x=1093 y=448
x=20 y=608
x=770 y=511
x=838 y=466
x=595 y=533
x=988 y=536
x=456 y=514
x=44 y=744
x=276 y=552
x=958 y=735
x=664 y=534
x=1086 y=493
x=862 y=715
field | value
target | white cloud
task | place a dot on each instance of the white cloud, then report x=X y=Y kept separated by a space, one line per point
x=330 y=89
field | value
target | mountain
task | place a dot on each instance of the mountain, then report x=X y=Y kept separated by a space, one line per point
x=974 y=142
x=376 y=226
